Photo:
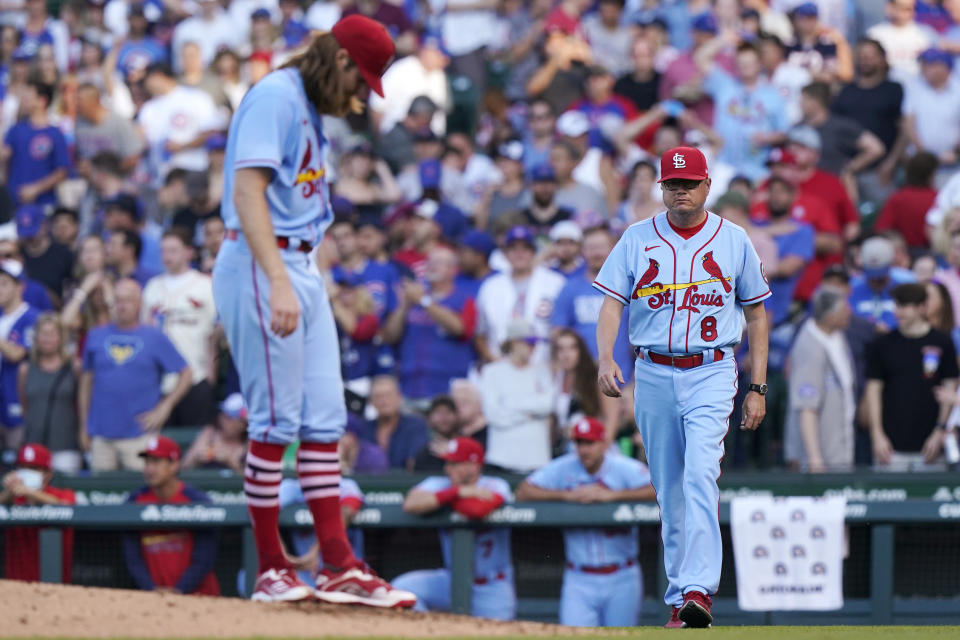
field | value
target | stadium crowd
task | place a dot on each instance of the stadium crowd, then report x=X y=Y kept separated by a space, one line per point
x=474 y=206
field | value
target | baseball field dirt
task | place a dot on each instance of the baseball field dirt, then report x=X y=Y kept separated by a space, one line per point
x=31 y=610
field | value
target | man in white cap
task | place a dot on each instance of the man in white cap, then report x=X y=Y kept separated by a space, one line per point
x=564 y=251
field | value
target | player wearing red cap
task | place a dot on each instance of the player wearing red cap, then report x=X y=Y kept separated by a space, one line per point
x=602 y=583
x=464 y=490
x=164 y=560
x=689 y=278
x=29 y=484
x=274 y=307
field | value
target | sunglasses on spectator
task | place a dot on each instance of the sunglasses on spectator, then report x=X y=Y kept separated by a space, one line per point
x=680 y=185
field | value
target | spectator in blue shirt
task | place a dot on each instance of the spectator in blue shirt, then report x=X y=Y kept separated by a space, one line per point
x=138 y=50
x=578 y=305
x=433 y=327
x=123 y=212
x=35 y=152
x=474 y=254
x=795 y=247
x=402 y=436
x=124 y=249
x=871 y=297
x=16 y=338
x=120 y=397
x=749 y=113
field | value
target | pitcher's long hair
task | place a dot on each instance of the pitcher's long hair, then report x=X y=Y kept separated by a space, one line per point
x=322 y=81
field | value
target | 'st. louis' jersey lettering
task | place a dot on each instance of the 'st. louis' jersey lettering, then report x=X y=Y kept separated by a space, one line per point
x=684 y=295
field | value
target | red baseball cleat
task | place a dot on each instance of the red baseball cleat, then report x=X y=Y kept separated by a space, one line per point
x=360 y=585
x=280 y=585
x=695 y=611
x=674 y=622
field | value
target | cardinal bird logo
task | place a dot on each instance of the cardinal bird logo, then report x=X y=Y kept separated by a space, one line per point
x=648 y=276
x=305 y=173
x=710 y=266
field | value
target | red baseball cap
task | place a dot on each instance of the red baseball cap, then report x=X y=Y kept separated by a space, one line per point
x=683 y=163
x=161 y=447
x=34 y=455
x=589 y=429
x=781 y=155
x=464 y=450
x=369 y=45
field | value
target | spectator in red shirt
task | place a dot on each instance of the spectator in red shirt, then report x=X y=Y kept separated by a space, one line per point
x=29 y=484
x=906 y=210
x=173 y=561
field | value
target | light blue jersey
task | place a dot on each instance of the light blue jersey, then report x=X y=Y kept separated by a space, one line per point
x=603 y=583
x=595 y=547
x=493 y=595
x=684 y=295
x=492 y=547
x=276 y=128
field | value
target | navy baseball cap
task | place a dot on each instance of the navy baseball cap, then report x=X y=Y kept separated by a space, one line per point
x=479 y=241
x=934 y=55
x=806 y=10
x=430 y=174
x=543 y=173
x=519 y=233
x=705 y=22
x=216 y=142
x=348 y=278
x=30 y=220
x=124 y=202
x=369 y=218
x=260 y=14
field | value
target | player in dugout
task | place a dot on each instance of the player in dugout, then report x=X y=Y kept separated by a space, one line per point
x=475 y=496
x=29 y=485
x=603 y=582
x=165 y=560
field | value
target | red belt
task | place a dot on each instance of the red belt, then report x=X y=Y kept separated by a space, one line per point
x=680 y=362
x=283 y=242
x=499 y=576
x=605 y=569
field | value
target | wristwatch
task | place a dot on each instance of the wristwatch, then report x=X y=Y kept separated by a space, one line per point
x=759 y=388
x=426 y=301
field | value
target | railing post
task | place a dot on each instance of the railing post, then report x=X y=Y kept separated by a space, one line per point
x=51 y=555
x=250 y=562
x=881 y=573
x=461 y=578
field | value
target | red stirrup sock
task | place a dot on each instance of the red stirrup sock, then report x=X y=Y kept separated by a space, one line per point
x=262 y=476
x=319 y=468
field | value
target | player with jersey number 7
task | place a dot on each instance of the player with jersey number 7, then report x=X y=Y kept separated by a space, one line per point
x=274 y=306
x=689 y=278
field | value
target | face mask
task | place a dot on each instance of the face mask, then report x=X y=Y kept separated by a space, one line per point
x=31 y=478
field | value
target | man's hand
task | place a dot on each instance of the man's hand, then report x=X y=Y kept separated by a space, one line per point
x=27 y=193
x=754 y=408
x=591 y=493
x=413 y=291
x=284 y=308
x=84 y=440
x=154 y=419
x=933 y=446
x=473 y=491
x=609 y=375
x=12 y=482
x=882 y=449
x=816 y=466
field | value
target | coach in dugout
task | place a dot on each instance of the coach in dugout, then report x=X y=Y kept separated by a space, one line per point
x=164 y=560
x=603 y=583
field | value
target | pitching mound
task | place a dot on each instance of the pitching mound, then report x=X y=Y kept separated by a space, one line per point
x=46 y=610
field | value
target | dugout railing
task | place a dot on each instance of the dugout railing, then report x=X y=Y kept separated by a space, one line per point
x=881 y=519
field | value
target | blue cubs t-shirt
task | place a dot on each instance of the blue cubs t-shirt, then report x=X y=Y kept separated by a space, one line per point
x=800 y=243
x=36 y=153
x=577 y=307
x=18 y=329
x=128 y=366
